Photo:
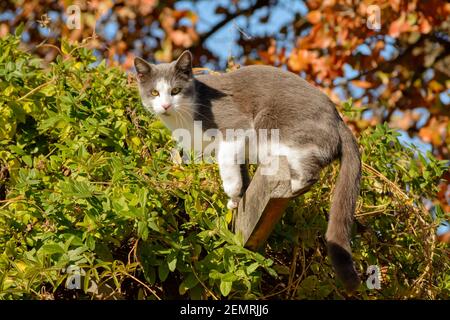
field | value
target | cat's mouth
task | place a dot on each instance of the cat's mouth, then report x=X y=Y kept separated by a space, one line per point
x=164 y=113
x=168 y=112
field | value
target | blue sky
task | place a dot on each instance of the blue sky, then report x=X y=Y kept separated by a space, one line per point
x=223 y=42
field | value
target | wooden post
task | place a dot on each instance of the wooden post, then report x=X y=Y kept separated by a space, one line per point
x=263 y=204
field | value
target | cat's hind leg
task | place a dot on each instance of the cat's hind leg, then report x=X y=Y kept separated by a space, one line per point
x=304 y=166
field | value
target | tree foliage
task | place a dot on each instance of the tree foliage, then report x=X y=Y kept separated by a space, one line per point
x=88 y=181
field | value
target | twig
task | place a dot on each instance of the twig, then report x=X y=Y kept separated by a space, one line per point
x=134 y=252
x=203 y=285
x=293 y=268
x=36 y=89
x=143 y=284
x=13 y=199
x=231 y=16
x=49 y=45
x=370 y=213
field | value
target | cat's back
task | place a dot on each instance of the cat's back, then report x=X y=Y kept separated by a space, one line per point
x=254 y=89
x=263 y=72
x=252 y=72
x=260 y=79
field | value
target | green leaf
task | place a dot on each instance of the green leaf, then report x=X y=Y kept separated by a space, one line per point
x=51 y=249
x=172 y=261
x=188 y=283
x=74 y=188
x=214 y=274
x=19 y=30
x=229 y=277
x=153 y=226
x=252 y=268
x=225 y=287
x=163 y=271
x=28 y=160
x=142 y=230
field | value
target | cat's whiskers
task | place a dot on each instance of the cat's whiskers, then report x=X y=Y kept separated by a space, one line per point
x=195 y=112
x=183 y=117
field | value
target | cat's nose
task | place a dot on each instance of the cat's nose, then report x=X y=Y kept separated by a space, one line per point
x=166 y=106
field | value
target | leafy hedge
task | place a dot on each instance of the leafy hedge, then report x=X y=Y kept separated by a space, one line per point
x=87 y=179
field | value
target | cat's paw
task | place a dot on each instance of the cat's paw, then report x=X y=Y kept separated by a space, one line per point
x=232 y=204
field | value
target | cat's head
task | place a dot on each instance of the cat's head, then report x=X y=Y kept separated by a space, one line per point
x=167 y=87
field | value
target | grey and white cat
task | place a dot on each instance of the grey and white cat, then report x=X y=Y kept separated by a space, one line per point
x=311 y=132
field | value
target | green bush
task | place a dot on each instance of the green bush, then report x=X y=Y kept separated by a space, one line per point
x=87 y=180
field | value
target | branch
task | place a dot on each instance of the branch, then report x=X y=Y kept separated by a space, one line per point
x=230 y=16
x=383 y=66
x=446 y=49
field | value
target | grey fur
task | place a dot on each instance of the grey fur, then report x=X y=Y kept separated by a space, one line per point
x=264 y=97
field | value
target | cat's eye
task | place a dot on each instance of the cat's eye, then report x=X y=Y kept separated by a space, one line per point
x=155 y=93
x=175 y=91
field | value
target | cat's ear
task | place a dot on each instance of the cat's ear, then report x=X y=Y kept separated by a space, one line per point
x=184 y=63
x=142 y=67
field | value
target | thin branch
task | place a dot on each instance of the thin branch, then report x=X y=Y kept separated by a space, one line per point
x=203 y=284
x=36 y=89
x=143 y=284
x=384 y=65
x=231 y=16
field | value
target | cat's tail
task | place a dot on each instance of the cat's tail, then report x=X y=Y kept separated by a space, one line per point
x=343 y=208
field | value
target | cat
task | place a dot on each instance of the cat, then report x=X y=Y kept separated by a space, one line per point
x=311 y=132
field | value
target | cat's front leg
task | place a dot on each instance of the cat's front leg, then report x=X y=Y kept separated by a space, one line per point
x=231 y=171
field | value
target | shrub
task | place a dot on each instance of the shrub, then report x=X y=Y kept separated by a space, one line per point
x=88 y=181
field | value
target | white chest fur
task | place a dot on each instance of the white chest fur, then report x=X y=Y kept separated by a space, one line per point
x=190 y=134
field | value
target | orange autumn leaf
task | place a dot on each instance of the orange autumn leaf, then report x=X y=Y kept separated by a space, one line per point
x=181 y=38
x=425 y=26
x=399 y=26
x=314 y=16
x=266 y=57
x=394 y=29
x=435 y=86
x=434 y=133
x=147 y=6
x=193 y=17
x=429 y=135
x=362 y=84
x=301 y=59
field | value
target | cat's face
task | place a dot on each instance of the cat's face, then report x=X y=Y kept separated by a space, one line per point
x=165 y=88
